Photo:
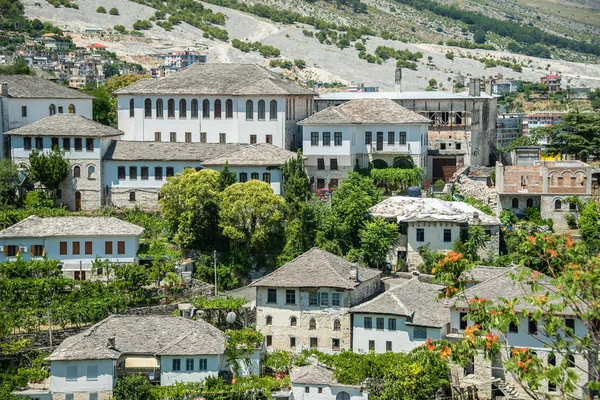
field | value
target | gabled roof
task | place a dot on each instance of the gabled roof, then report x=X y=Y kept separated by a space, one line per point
x=366 y=111
x=313 y=374
x=412 y=209
x=317 y=268
x=142 y=335
x=33 y=87
x=261 y=154
x=167 y=151
x=218 y=79
x=65 y=125
x=413 y=299
x=34 y=226
x=482 y=273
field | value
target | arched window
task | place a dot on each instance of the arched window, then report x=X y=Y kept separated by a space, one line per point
x=71 y=109
x=205 y=108
x=515 y=203
x=182 y=108
x=551 y=359
x=261 y=110
x=529 y=202
x=91 y=172
x=269 y=320
x=159 y=108
x=273 y=110
x=229 y=108
x=293 y=321
x=337 y=326
x=76 y=172
x=194 y=108
x=131 y=196
x=342 y=396
x=312 y=324
x=570 y=361
x=557 y=204
x=131 y=108
x=171 y=108
x=148 y=108
x=77 y=201
x=52 y=109
x=266 y=177
x=217 y=108
x=249 y=109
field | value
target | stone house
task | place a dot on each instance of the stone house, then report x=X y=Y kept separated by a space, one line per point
x=215 y=103
x=316 y=382
x=545 y=185
x=358 y=132
x=433 y=222
x=400 y=319
x=489 y=376
x=305 y=303
x=75 y=241
x=25 y=99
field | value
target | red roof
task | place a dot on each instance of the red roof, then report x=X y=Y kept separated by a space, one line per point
x=551 y=76
x=97 y=46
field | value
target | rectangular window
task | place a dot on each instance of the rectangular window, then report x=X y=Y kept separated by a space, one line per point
x=337 y=138
x=39 y=143
x=88 y=248
x=108 y=247
x=314 y=342
x=388 y=346
x=120 y=247
x=368 y=137
x=93 y=396
x=458 y=146
x=170 y=172
x=188 y=137
x=368 y=323
x=144 y=173
x=89 y=144
x=335 y=344
x=63 y=248
x=78 y=144
x=320 y=163
x=313 y=299
x=37 y=250
x=71 y=373
x=292 y=342
x=321 y=182
x=269 y=340
x=402 y=139
x=75 y=247
x=314 y=138
x=121 y=173
x=419 y=332
x=447 y=235
x=333 y=164
x=189 y=364
x=335 y=299
x=570 y=323
x=202 y=137
x=92 y=373
x=463 y=321
x=391 y=324
x=371 y=345
x=391 y=137
x=290 y=297
x=326 y=138
x=252 y=139
x=380 y=323
x=53 y=143
x=442 y=146
x=23 y=111
x=11 y=251
x=269 y=139
x=133 y=173
x=513 y=328
x=532 y=327
x=173 y=136
x=176 y=364
x=60 y=109
x=324 y=299
x=202 y=364
x=27 y=143
x=254 y=176
x=157 y=136
x=222 y=138
x=272 y=296
x=158 y=173
x=306 y=389
x=69 y=396
x=66 y=144
x=420 y=235
x=243 y=177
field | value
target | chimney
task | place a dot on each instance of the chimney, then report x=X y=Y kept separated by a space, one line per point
x=354 y=273
x=398 y=79
x=3 y=89
x=110 y=342
x=475 y=87
x=488 y=87
x=316 y=89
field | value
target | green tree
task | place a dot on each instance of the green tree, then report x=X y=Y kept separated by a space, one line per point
x=594 y=98
x=476 y=241
x=133 y=387
x=479 y=37
x=10 y=9
x=226 y=177
x=300 y=234
x=589 y=228
x=110 y=70
x=105 y=102
x=295 y=182
x=190 y=203
x=101 y=10
x=114 y=11
x=377 y=238
x=49 y=170
x=20 y=67
x=9 y=182
x=576 y=134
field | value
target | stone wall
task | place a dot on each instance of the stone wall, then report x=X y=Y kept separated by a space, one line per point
x=366 y=290
x=105 y=395
x=163 y=309
x=41 y=339
x=327 y=175
x=146 y=198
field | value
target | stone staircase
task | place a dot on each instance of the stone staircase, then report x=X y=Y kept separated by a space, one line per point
x=509 y=390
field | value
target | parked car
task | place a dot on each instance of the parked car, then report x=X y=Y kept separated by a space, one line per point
x=413 y=191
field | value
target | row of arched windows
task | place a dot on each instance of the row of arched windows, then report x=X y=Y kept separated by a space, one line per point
x=194 y=111
x=91 y=172
x=52 y=109
x=312 y=323
x=557 y=204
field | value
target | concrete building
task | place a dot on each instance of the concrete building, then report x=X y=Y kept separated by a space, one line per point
x=215 y=103
x=543 y=184
x=462 y=128
x=489 y=376
x=400 y=319
x=305 y=303
x=503 y=86
x=316 y=382
x=183 y=58
x=25 y=99
x=552 y=81
x=433 y=222
x=75 y=241
x=358 y=132
x=510 y=127
x=540 y=120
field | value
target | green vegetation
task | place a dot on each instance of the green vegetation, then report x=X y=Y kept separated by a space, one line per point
x=594 y=98
x=11 y=10
x=576 y=134
x=450 y=55
x=142 y=24
x=465 y=44
x=48 y=170
x=405 y=58
x=120 y=29
x=64 y=3
x=492 y=62
x=105 y=103
x=101 y=10
x=114 y=11
x=285 y=64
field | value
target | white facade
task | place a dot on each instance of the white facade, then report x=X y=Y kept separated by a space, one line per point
x=82 y=376
x=327 y=392
x=192 y=368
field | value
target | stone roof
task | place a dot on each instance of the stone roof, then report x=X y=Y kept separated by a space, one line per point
x=261 y=154
x=65 y=125
x=482 y=273
x=142 y=335
x=412 y=209
x=366 y=111
x=168 y=151
x=313 y=374
x=317 y=268
x=416 y=95
x=218 y=79
x=33 y=87
x=413 y=299
x=34 y=226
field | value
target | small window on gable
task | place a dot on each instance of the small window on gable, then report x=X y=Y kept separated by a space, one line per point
x=337 y=326
x=293 y=321
x=76 y=171
x=131 y=108
x=71 y=109
x=312 y=324
x=52 y=109
x=269 y=320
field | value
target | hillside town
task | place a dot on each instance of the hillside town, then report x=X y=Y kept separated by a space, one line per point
x=216 y=230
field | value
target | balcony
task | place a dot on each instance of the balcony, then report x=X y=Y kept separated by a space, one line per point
x=153 y=375
x=384 y=148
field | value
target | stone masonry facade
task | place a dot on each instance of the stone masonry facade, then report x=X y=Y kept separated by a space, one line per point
x=145 y=198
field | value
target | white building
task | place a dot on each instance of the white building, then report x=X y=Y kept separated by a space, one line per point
x=433 y=222
x=358 y=132
x=305 y=303
x=400 y=319
x=25 y=99
x=315 y=382
x=75 y=241
x=215 y=103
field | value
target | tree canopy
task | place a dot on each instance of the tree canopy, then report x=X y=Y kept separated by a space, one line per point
x=49 y=170
x=9 y=182
x=576 y=134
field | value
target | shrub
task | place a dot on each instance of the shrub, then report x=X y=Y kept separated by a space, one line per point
x=439 y=184
x=269 y=51
x=450 y=55
x=114 y=11
x=142 y=24
x=101 y=10
x=300 y=63
x=120 y=28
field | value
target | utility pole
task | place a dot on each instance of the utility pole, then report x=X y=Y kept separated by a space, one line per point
x=215 y=266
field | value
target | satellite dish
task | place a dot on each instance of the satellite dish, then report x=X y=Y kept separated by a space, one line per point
x=231 y=317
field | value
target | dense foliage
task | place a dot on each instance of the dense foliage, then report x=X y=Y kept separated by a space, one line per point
x=48 y=169
x=105 y=102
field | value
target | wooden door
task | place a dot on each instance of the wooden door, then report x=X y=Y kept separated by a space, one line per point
x=77 y=201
